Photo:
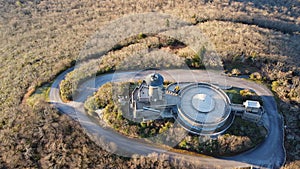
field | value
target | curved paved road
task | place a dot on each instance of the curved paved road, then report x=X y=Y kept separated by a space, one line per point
x=270 y=154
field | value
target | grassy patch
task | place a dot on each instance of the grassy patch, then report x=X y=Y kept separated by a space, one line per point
x=234 y=95
x=240 y=95
x=40 y=93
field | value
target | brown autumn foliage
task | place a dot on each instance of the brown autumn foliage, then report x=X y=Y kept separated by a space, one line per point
x=40 y=38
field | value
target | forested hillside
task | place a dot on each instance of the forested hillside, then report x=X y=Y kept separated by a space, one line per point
x=41 y=38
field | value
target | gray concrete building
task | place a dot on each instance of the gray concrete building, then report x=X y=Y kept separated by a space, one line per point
x=200 y=108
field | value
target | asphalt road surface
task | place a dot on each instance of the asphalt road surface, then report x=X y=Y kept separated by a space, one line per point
x=269 y=154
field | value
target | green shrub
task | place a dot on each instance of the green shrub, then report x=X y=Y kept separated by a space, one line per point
x=275 y=85
x=182 y=144
x=142 y=36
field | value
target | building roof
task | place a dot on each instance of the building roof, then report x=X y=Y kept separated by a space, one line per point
x=251 y=104
x=154 y=80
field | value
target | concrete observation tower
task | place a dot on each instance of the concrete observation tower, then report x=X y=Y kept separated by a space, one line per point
x=156 y=89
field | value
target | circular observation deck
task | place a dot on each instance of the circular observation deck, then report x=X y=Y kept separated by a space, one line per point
x=203 y=108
